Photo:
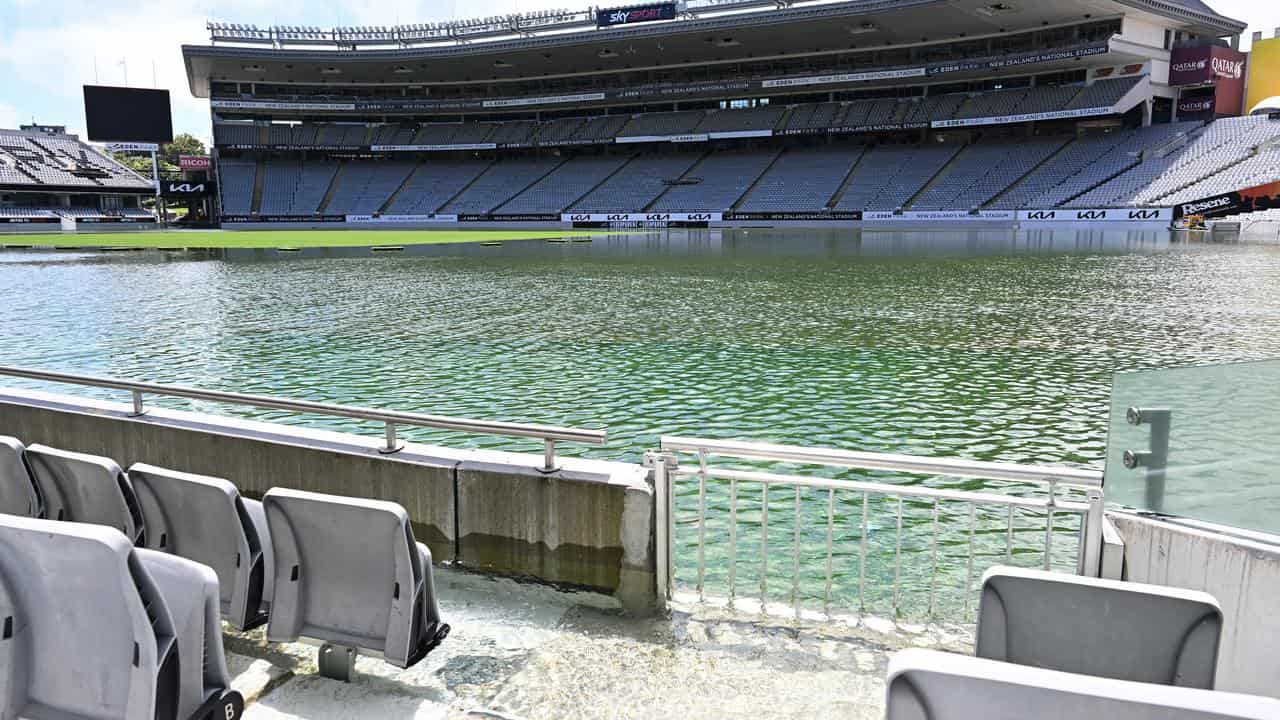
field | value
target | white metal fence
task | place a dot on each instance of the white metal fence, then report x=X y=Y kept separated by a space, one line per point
x=750 y=476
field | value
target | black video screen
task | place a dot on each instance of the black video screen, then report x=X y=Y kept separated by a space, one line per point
x=116 y=114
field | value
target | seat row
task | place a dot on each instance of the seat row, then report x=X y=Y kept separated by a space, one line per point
x=1060 y=646
x=95 y=559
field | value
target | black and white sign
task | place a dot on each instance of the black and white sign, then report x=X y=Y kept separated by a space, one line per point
x=845 y=215
x=284 y=218
x=1108 y=215
x=635 y=14
x=642 y=217
x=186 y=189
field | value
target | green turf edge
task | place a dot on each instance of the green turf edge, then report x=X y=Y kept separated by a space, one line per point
x=267 y=239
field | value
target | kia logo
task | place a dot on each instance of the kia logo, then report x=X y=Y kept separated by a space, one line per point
x=1091 y=215
x=1042 y=215
x=186 y=188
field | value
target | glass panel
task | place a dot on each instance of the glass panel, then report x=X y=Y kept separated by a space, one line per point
x=1200 y=443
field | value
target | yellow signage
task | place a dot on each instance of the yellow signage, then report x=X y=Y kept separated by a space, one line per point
x=1264 y=72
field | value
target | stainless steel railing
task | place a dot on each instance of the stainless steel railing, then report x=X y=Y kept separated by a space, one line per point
x=548 y=434
x=668 y=472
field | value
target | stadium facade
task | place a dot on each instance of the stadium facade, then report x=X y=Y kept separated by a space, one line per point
x=733 y=111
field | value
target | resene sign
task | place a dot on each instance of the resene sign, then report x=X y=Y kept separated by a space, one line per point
x=635 y=14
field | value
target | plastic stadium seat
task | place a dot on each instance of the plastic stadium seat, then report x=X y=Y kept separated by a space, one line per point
x=204 y=519
x=18 y=494
x=349 y=572
x=87 y=489
x=1107 y=628
x=931 y=685
x=92 y=628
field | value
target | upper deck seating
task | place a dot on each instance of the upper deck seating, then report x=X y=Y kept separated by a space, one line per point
x=17 y=490
x=931 y=685
x=96 y=630
x=348 y=571
x=204 y=519
x=86 y=489
x=1105 y=628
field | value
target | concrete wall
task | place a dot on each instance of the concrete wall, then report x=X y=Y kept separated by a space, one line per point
x=1243 y=574
x=587 y=526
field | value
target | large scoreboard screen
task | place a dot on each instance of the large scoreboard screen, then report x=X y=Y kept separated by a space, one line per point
x=116 y=114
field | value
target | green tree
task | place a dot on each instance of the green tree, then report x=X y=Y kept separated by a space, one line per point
x=183 y=144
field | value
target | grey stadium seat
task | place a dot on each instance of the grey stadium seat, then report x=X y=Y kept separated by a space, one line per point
x=1107 y=628
x=204 y=519
x=349 y=572
x=18 y=494
x=90 y=627
x=86 y=489
x=931 y=685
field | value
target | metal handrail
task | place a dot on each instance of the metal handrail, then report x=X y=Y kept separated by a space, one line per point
x=548 y=434
x=951 y=467
x=667 y=468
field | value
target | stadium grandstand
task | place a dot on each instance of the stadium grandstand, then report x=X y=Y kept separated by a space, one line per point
x=49 y=177
x=727 y=110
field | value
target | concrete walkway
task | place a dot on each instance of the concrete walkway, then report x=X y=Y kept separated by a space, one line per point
x=530 y=652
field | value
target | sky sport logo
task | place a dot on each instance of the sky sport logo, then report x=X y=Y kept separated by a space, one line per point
x=622 y=17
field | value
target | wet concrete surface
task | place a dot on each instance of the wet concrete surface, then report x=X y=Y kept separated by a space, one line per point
x=531 y=652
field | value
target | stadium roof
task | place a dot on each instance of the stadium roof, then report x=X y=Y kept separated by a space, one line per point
x=808 y=28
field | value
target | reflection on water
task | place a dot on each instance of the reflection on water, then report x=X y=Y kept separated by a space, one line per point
x=987 y=344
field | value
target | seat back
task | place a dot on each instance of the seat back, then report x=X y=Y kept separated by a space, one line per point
x=85 y=489
x=1107 y=628
x=17 y=490
x=347 y=571
x=931 y=685
x=86 y=633
x=190 y=594
x=204 y=519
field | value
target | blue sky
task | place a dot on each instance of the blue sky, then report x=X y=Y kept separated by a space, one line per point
x=49 y=48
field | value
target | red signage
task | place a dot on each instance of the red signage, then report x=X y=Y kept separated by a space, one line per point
x=194 y=162
x=1221 y=67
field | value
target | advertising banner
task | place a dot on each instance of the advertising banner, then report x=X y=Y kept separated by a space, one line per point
x=30 y=220
x=635 y=14
x=386 y=219
x=194 y=162
x=1222 y=67
x=1126 y=215
x=1264 y=72
x=284 y=218
x=641 y=217
x=1015 y=60
x=1028 y=117
x=844 y=78
x=186 y=190
x=940 y=215
x=846 y=215
x=523 y=217
x=1261 y=197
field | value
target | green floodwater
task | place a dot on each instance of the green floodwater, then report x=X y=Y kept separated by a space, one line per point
x=992 y=345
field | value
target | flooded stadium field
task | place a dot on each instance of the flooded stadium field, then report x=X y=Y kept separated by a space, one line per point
x=995 y=345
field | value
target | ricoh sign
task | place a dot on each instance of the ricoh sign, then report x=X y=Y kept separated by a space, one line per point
x=635 y=14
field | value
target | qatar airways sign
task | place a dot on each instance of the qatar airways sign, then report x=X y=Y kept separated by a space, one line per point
x=635 y=14
x=1200 y=65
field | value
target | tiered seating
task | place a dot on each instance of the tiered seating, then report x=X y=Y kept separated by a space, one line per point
x=1111 y=161
x=23 y=212
x=757 y=119
x=802 y=180
x=344 y=571
x=392 y=135
x=519 y=132
x=662 y=124
x=560 y=131
x=292 y=187
x=814 y=117
x=872 y=112
x=1047 y=99
x=722 y=180
x=1079 y=646
x=105 y=630
x=561 y=188
x=1260 y=169
x=890 y=175
x=1081 y=153
x=600 y=129
x=1103 y=93
x=993 y=104
x=433 y=184
x=361 y=188
x=235 y=134
x=1223 y=144
x=499 y=183
x=935 y=107
x=37 y=159
x=984 y=170
x=637 y=184
x=237 y=185
x=342 y=135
